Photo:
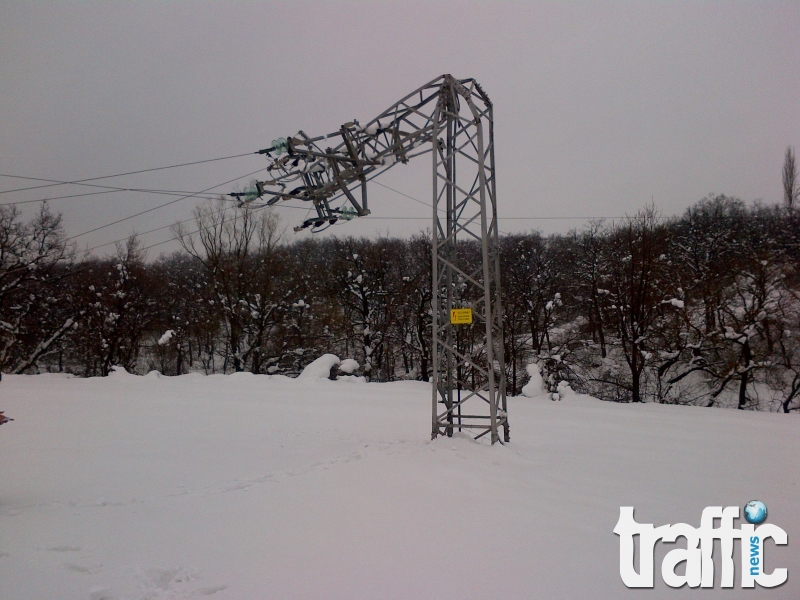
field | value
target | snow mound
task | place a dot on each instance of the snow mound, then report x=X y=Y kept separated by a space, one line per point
x=564 y=389
x=675 y=302
x=321 y=367
x=535 y=387
x=242 y=375
x=119 y=371
x=164 y=339
x=348 y=366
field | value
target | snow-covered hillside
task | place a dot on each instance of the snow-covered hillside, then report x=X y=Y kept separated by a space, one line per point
x=251 y=487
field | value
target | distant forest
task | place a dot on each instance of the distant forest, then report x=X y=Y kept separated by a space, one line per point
x=702 y=309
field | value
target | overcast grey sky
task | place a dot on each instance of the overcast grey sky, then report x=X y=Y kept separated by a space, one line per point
x=599 y=107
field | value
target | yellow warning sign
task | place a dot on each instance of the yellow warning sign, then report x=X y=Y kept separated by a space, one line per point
x=461 y=316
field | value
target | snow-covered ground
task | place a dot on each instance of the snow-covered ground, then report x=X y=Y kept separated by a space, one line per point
x=252 y=487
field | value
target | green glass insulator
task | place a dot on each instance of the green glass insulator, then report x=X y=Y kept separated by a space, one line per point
x=280 y=145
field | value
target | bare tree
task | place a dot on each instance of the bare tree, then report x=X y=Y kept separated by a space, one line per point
x=361 y=270
x=791 y=189
x=30 y=256
x=638 y=282
x=116 y=307
x=238 y=250
x=588 y=266
x=180 y=290
x=411 y=327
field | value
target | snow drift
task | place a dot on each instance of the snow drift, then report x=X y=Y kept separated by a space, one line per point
x=250 y=486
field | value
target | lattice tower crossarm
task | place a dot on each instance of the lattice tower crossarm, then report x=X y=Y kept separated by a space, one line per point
x=452 y=119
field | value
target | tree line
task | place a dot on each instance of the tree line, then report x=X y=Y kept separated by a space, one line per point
x=702 y=309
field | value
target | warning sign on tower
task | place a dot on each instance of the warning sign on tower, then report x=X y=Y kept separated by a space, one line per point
x=461 y=316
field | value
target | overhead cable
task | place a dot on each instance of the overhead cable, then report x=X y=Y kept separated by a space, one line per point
x=108 y=189
x=161 y=206
x=77 y=181
x=163 y=227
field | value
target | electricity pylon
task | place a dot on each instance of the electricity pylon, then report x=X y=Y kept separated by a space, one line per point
x=451 y=119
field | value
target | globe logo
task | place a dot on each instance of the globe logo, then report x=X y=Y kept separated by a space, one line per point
x=755 y=512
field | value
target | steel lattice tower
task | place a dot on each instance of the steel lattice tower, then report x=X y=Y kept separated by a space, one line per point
x=452 y=119
x=468 y=382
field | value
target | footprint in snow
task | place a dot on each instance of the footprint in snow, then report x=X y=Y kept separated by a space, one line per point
x=81 y=568
x=174 y=583
x=210 y=591
x=164 y=579
x=101 y=593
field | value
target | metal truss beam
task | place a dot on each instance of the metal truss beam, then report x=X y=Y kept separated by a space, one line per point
x=453 y=120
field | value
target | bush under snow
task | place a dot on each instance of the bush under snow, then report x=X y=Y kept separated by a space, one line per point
x=321 y=367
x=535 y=386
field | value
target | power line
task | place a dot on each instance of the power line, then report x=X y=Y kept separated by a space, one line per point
x=198 y=230
x=160 y=206
x=499 y=218
x=406 y=195
x=108 y=190
x=149 y=231
x=78 y=181
x=186 y=195
x=112 y=191
x=513 y=218
x=93 y=248
x=235 y=218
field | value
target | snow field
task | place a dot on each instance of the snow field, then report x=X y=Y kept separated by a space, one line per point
x=246 y=486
